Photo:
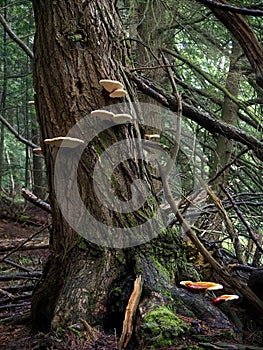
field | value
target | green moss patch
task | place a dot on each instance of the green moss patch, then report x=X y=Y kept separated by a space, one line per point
x=161 y=327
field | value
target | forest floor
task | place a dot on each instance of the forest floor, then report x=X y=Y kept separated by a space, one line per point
x=20 y=272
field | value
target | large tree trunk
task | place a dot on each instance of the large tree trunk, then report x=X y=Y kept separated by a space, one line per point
x=78 y=43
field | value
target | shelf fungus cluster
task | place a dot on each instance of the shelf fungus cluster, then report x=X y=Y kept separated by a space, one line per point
x=37 y=150
x=114 y=87
x=64 y=141
x=222 y=298
x=197 y=287
x=201 y=286
x=153 y=137
x=116 y=118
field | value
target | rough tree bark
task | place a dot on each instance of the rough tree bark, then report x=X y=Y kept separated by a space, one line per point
x=78 y=43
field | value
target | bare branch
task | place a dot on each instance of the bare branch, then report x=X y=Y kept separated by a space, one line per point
x=14 y=37
x=16 y=134
x=243 y=220
x=203 y=119
x=29 y=196
x=225 y=7
x=243 y=33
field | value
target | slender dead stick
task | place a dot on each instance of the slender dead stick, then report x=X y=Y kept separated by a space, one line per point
x=131 y=308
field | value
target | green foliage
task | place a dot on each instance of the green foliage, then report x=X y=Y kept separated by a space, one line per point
x=17 y=89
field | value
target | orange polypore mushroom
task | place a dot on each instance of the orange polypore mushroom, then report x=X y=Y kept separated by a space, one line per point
x=223 y=298
x=201 y=286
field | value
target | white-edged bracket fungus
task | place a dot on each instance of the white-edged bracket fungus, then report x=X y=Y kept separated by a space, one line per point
x=37 y=150
x=152 y=136
x=122 y=118
x=100 y=113
x=67 y=142
x=111 y=85
x=223 y=298
x=201 y=286
x=118 y=93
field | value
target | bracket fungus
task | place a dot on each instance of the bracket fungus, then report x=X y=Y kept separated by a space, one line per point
x=114 y=87
x=111 y=85
x=100 y=113
x=118 y=93
x=37 y=150
x=67 y=142
x=31 y=103
x=122 y=118
x=223 y=298
x=152 y=136
x=201 y=286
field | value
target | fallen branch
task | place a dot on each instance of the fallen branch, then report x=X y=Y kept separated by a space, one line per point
x=131 y=308
x=12 y=306
x=7 y=245
x=24 y=242
x=20 y=276
x=20 y=267
x=7 y=294
x=15 y=298
x=19 y=288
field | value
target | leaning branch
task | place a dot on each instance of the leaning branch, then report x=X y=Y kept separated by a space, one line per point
x=16 y=39
x=243 y=33
x=225 y=7
x=208 y=122
x=16 y=134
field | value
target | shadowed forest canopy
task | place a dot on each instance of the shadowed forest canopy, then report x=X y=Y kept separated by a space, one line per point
x=190 y=76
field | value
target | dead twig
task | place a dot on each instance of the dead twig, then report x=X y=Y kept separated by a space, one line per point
x=92 y=332
x=243 y=220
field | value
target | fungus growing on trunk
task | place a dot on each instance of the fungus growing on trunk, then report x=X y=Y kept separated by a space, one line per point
x=223 y=298
x=67 y=142
x=201 y=286
x=152 y=136
x=122 y=118
x=37 y=150
x=100 y=113
x=118 y=93
x=111 y=85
